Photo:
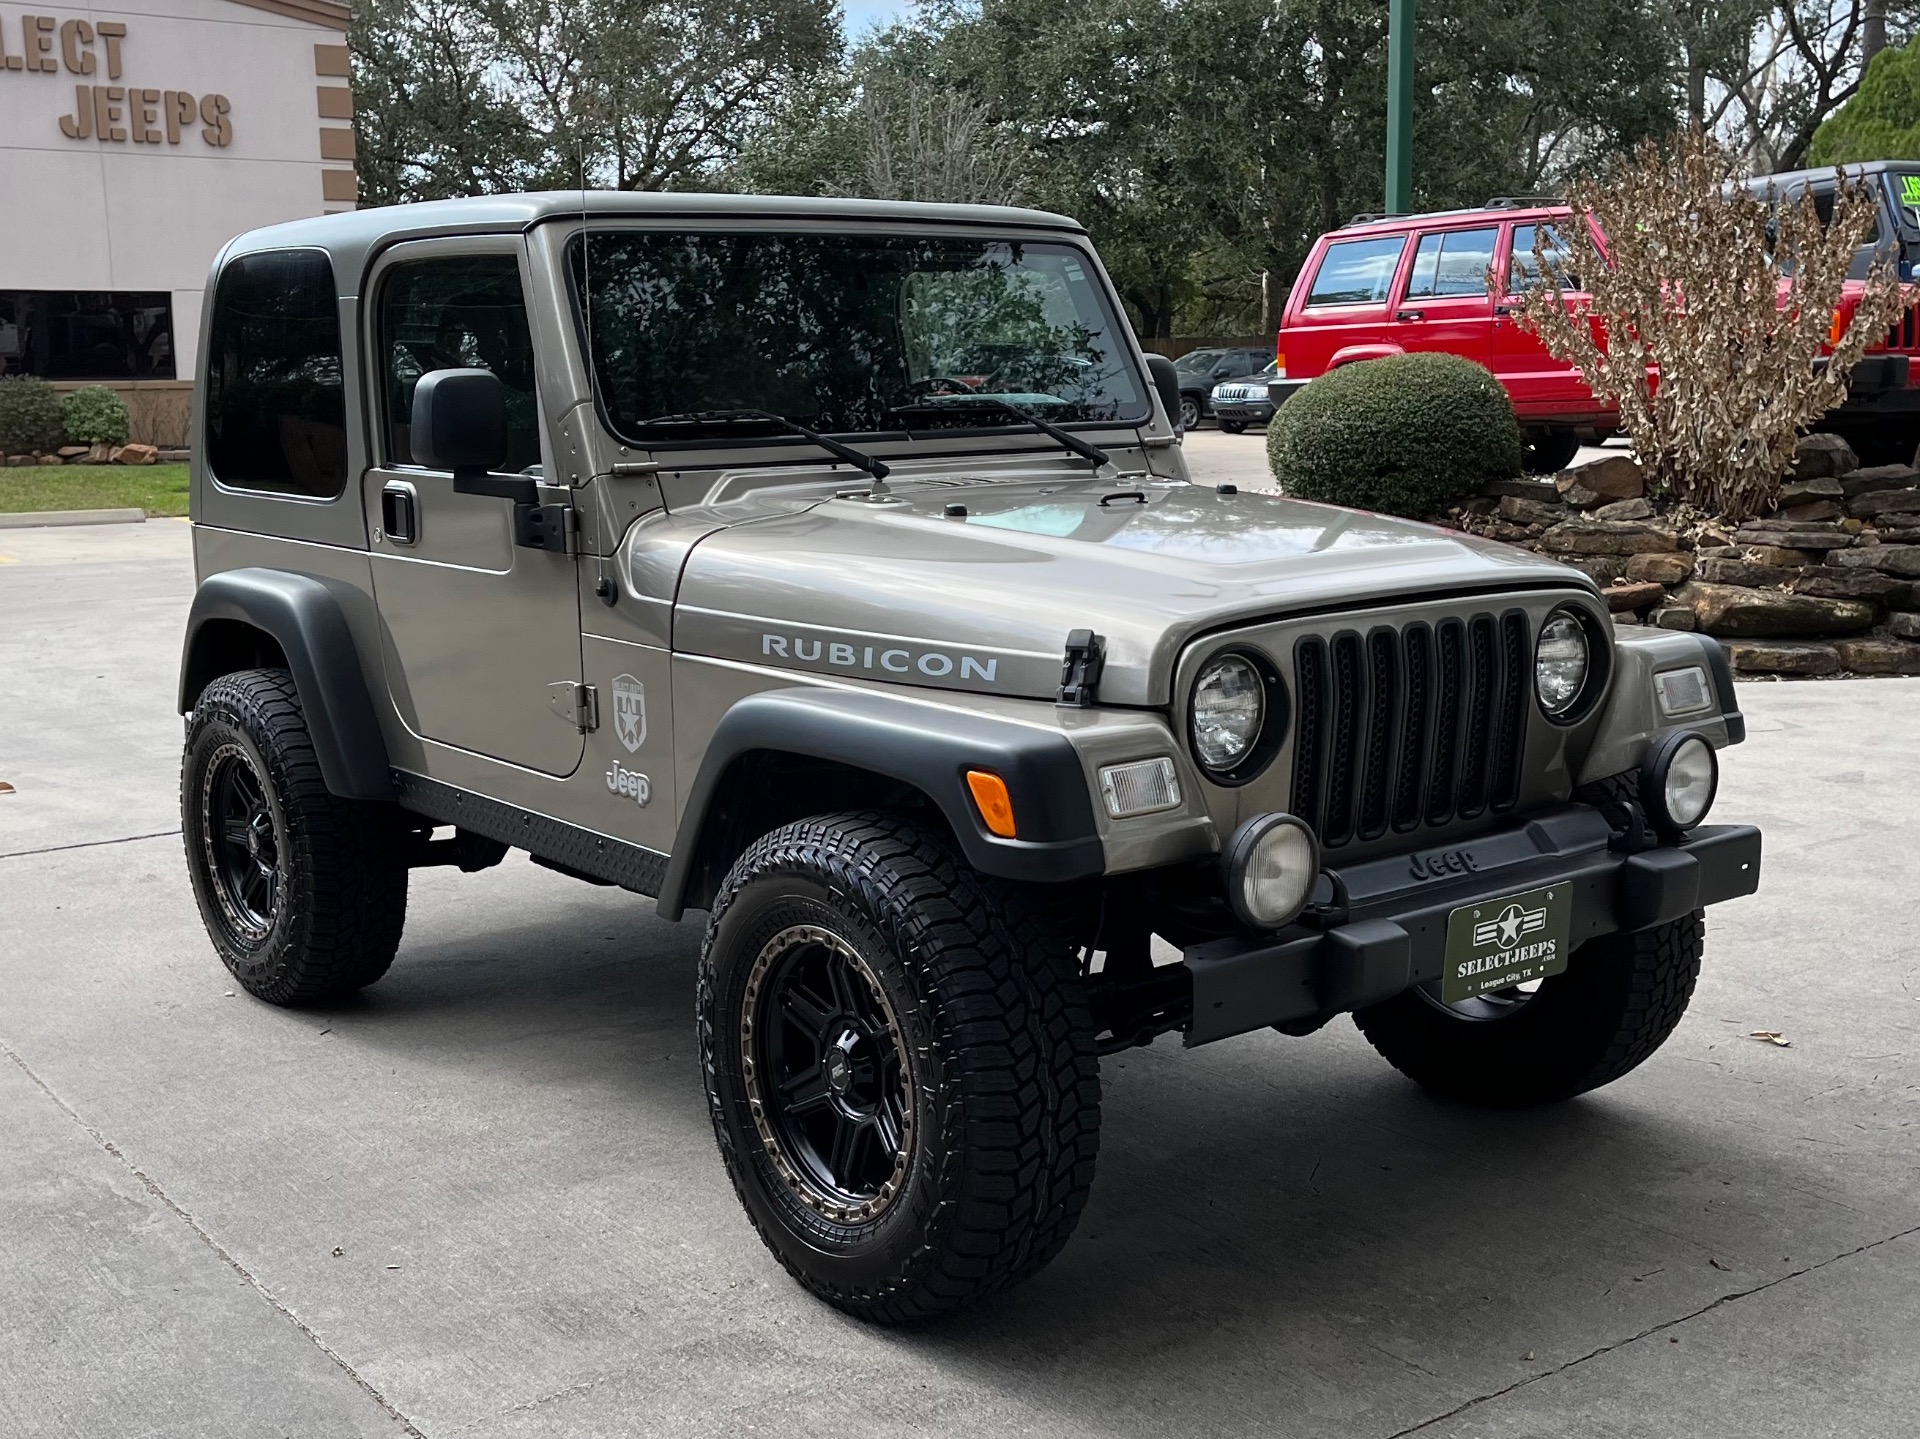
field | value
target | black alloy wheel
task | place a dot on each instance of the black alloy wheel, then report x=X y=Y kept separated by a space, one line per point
x=826 y=1077
x=242 y=838
x=304 y=894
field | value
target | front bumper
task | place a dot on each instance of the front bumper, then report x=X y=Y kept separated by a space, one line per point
x=1394 y=934
x=1880 y=385
x=1254 y=412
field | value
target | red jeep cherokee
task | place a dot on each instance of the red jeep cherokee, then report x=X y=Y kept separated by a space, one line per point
x=1385 y=285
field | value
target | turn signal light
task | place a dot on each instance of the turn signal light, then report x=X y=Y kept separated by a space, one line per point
x=995 y=804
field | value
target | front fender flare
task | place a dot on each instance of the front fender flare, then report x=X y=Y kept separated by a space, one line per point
x=303 y=617
x=927 y=746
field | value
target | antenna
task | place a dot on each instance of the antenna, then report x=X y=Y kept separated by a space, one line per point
x=586 y=265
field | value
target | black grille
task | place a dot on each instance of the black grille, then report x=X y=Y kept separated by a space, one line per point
x=1397 y=728
x=1905 y=336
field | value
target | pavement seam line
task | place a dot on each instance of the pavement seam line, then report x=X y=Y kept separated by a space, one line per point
x=207 y=1239
x=90 y=843
x=1659 y=1328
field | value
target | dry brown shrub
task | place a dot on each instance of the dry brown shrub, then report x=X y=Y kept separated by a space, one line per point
x=1729 y=298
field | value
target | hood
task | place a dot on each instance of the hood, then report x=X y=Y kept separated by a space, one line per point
x=902 y=590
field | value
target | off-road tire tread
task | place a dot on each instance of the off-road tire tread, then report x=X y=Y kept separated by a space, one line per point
x=1624 y=995
x=348 y=881
x=1011 y=1015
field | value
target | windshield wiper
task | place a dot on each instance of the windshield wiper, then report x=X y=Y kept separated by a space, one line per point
x=1092 y=454
x=859 y=459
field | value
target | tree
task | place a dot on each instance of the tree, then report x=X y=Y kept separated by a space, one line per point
x=1710 y=306
x=1882 y=121
x=459 y=97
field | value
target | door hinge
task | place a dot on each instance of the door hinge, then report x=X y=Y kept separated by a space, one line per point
x=577 y=704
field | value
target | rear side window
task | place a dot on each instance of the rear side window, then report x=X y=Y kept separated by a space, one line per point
x=464 y=312
x=1523 y=271
x=1357 y=272
x=276 y=407
x=1451 y=264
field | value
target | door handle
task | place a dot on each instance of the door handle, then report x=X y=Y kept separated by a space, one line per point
x=1503 y=310
x=400 y=513
x=1409 y=315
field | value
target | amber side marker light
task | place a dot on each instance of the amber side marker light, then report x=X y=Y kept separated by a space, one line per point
x=995 y=804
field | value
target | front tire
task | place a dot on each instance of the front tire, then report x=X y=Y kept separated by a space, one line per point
x=304 y=894
x=1234 y=427
x=900 y=1067
x=1617 y=1001
x=1189 y=413
x=1549 y=452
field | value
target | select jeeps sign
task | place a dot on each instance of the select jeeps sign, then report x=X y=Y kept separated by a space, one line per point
x=1500 y=943
x=37 y=46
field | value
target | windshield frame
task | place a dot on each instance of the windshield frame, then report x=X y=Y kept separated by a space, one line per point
x=1127 y=347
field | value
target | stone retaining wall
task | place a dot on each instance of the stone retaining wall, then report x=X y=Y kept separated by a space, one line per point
x=1826 y=585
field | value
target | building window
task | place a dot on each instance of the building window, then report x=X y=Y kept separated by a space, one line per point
x=276 y=409
x=87 y=334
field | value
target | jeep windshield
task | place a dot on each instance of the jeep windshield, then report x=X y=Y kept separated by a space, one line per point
x=847 y=334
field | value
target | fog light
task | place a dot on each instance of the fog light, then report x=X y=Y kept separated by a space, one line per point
x=1678 y=781
x=1140 y=788
x=1270 y=868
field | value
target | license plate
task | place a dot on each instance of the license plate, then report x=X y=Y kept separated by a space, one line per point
x=1499 y=943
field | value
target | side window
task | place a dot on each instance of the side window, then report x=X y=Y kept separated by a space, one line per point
x=1523 y=270
x=276 y=406
x=1452 y=264
x=1357 y=272
x=464 y=312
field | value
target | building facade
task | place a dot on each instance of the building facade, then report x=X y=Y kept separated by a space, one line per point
x=135 y=139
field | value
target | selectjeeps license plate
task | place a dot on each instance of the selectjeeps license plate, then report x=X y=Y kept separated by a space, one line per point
x=1499 y=943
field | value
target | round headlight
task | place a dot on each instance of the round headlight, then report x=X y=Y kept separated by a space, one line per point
x=1229 y=706
x=1271 y=865
x=1561 y=662
x=1679 y=780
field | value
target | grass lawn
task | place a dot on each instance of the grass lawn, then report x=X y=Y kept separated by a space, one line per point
x=157 y=489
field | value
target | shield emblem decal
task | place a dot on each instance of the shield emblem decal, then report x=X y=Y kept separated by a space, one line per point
x=629 y=711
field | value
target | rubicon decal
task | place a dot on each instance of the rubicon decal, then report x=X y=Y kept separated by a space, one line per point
x=878 y=658
x=629 y=711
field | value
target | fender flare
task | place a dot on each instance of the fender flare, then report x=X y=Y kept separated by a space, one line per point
x=1358 y=354
x=929 y=747
x=303 y=616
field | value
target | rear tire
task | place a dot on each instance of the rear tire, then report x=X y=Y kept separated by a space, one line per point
x=304 y=894
x=1548 y=452
x=900 y=1067
x=1617 y=1001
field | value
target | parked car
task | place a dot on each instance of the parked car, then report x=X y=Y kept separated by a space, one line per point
x=1201 y=370
x=1239 y=403
x=1386 y=285
x=526 y=523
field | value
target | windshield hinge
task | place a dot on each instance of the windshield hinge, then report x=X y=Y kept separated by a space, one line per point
x=1080 y=674
x=577 y=704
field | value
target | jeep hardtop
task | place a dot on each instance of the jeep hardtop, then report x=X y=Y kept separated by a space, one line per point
x=830 y=567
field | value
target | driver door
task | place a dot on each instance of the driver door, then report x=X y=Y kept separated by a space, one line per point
x=481 y=635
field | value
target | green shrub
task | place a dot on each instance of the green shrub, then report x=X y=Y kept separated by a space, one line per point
x=1406 y=435
x=95 y=416
x=29 y=416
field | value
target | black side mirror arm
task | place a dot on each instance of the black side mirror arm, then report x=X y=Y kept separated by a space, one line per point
x=518 y=488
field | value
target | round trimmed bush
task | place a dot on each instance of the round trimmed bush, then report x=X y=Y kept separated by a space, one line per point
x=95 y=416
x=29 y=416
x=1405 y=435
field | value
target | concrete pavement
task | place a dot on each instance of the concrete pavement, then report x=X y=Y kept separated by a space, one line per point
x=505 y=1141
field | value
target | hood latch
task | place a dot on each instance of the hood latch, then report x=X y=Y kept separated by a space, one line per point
x=1080 y=674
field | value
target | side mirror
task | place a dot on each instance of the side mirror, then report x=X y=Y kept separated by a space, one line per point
x=460 y=422
x=1166 y=383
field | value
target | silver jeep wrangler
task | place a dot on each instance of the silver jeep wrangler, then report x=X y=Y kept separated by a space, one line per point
x=831 y=567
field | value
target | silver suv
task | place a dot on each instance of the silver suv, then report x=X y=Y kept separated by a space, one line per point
x=830 y=567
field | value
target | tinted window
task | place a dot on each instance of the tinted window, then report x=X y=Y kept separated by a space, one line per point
x=846 y=333
x=1357 y=272
x=87 y=334
x=276 y=410
x=1523 y=271
x=1451 y=263
x=459 y=313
